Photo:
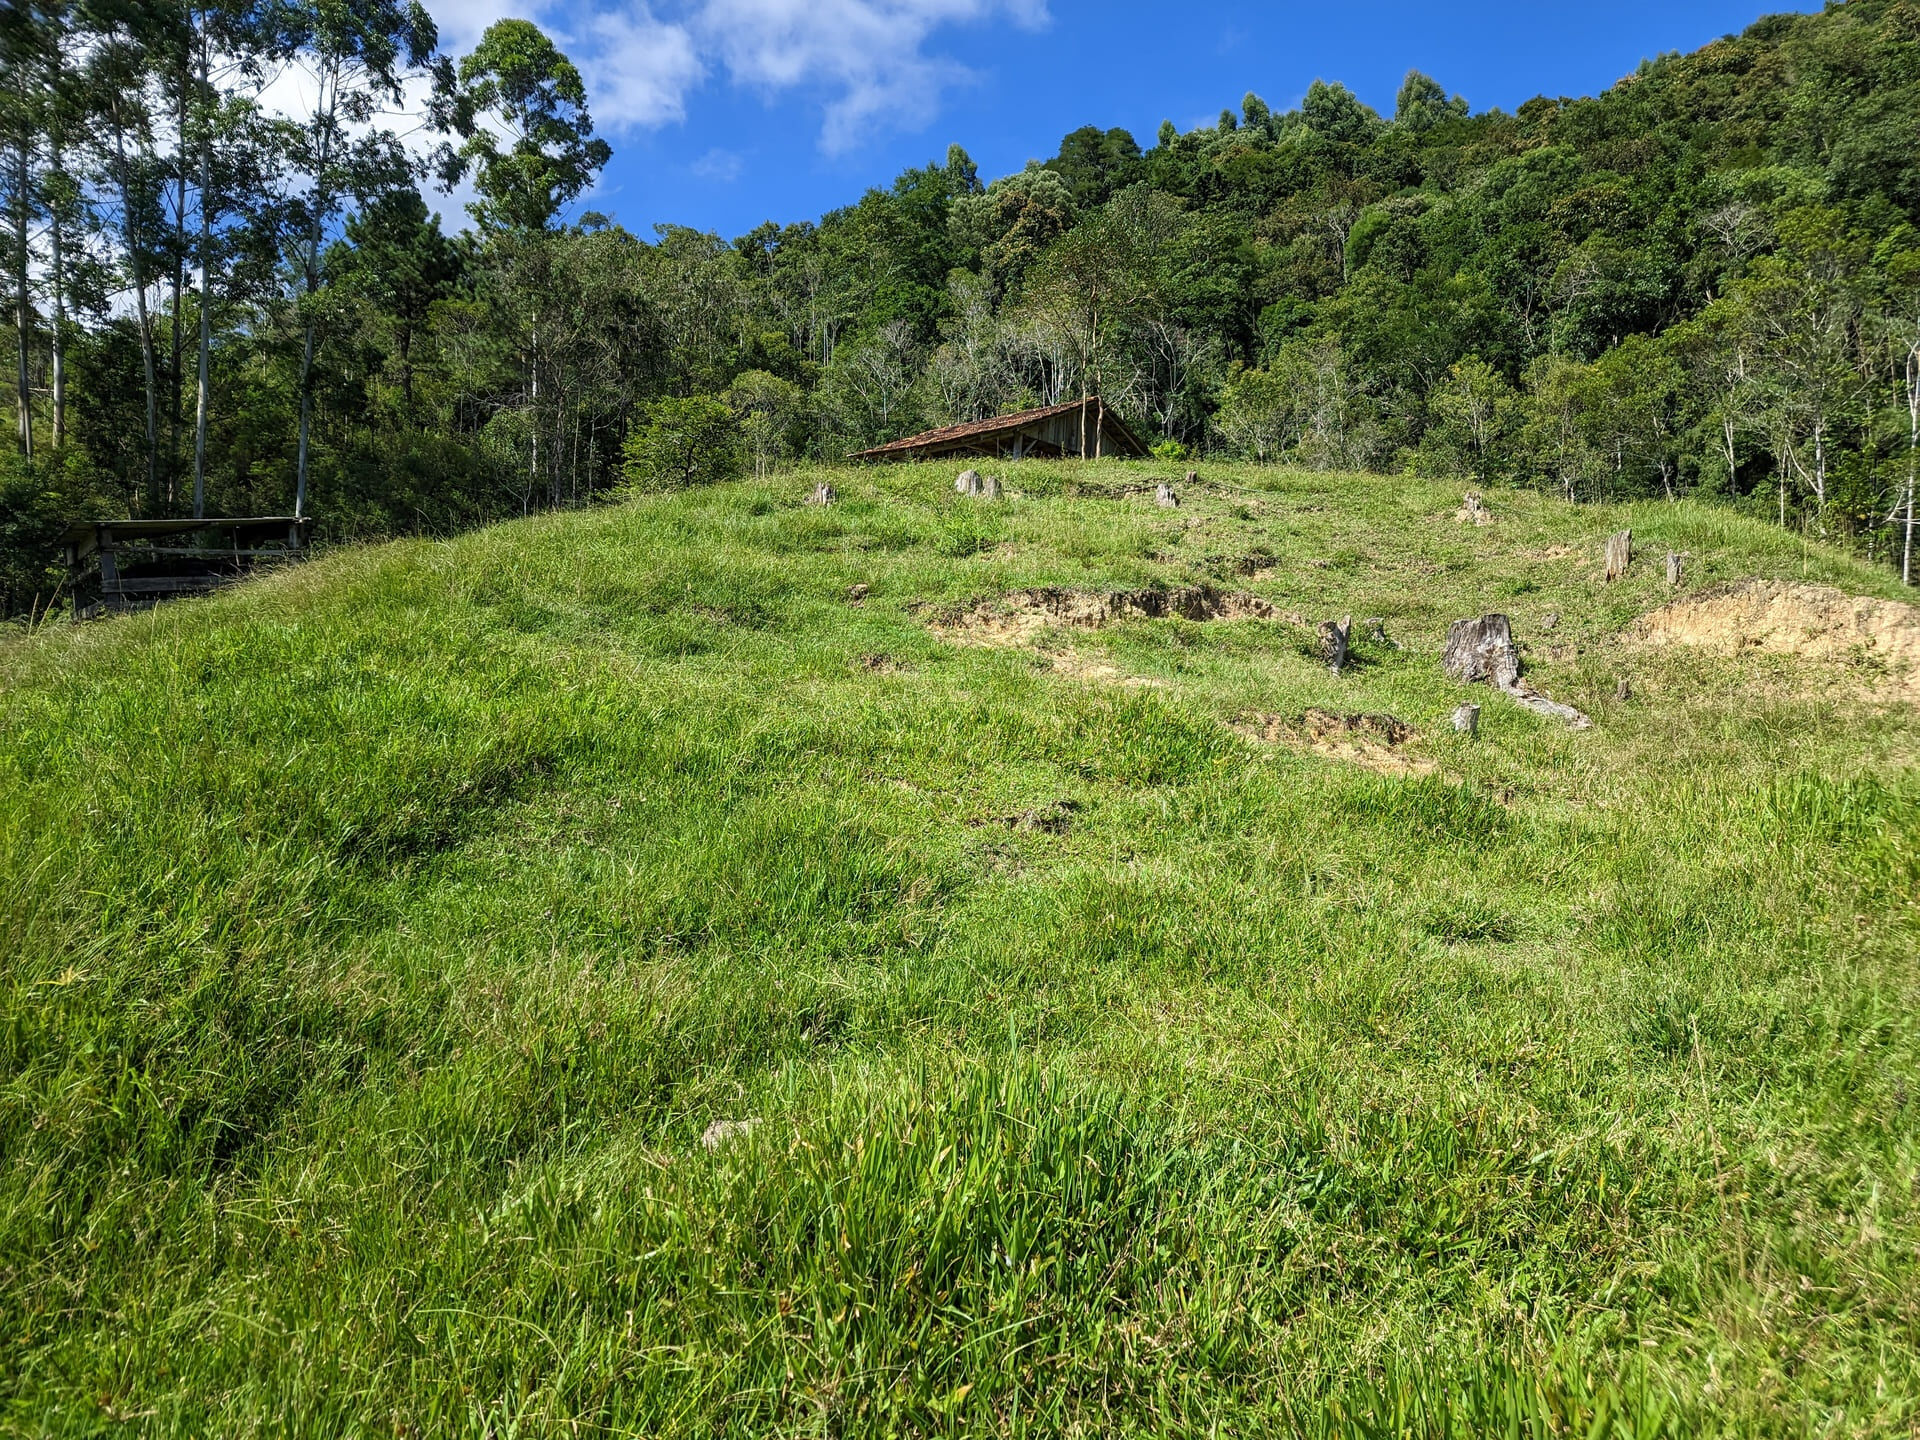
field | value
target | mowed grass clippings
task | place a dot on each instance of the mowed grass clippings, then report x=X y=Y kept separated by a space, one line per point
x=606 y=975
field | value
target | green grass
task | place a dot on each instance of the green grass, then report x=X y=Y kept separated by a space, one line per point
x=381 y=937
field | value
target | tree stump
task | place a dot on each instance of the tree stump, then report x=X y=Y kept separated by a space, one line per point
x=1624 y=690
x=1377 y=633
x=968 y=483
x=1466 y=719
x=1483 y=649
x=1676 y=566
x=823 y=494
x=1333 y=642
x=1164 y=497
x=1480 y=650
x=1619 y=554
x=1193 y=478
x=989 y=488
x=1473 y=510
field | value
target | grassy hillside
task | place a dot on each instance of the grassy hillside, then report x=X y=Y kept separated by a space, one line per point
x=1111 y=1051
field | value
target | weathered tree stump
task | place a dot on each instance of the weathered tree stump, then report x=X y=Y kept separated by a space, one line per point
x=1377 y=632
x=1676 y=566
x=1619 y=554
x=1552 y=621
x=1483 y=650
x=968 y=483
x=1473 y=510
x=1164 y=497
x=1466 y=719
x=989 y=488
x=1193 y=478
x=1624 y=690
x=1334 y=638
x=857 y=593
x=823 y=494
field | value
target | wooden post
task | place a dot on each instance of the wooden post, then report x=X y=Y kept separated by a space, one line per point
x=1619 y=554
x=1675 y=567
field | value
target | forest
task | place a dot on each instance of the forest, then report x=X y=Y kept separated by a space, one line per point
x=1704 y=281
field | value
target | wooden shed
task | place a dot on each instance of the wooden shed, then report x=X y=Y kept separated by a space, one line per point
x=1078 y=428
x=124 y=564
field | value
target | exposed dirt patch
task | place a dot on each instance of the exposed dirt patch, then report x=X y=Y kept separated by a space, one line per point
x=1818 y=622
x=1080 y=666
x=1374 y=742
x=1018 y=618
x=1053 y=819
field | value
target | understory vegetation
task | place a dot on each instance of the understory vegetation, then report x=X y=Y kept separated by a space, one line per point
x=609 y=973
x=1704 y=281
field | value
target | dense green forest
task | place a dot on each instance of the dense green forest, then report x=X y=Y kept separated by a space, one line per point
x=1704 y=281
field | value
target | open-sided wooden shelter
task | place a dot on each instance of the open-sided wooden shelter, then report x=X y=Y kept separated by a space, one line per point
x=1078 y=428
x=123 y=564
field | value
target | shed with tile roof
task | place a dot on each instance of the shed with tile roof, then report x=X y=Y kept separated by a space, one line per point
x=1079 y=427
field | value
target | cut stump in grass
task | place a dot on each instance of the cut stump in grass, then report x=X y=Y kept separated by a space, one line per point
x=1676 y=567
x=823 y=494
x=967 y=483
x=1619 y=554
x=1483 y=650
x=1334 y=636
x=1473 y=510
x=1466 y=719
x=1164 y=497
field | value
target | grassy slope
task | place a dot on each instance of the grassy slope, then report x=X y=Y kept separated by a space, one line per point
x=382 y=937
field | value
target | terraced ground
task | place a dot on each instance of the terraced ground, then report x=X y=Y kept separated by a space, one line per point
x=716 y=965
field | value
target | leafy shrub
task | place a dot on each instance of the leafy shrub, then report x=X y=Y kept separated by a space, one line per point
x=695 y=441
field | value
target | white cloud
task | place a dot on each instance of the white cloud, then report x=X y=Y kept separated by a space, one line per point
x=868 y=52
x=638 y=69
x=867 y=57
x=720 y=166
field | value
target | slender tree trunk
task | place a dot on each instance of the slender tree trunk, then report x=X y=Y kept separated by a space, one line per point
x=324 y=111
x=1913 y=455
x=23 y=294
x=306 y=407
x=136 y=262
x=201 y=396
x=177 y=375
x=59 y=335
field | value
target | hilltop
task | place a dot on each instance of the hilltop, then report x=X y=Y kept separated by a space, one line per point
x=713 y=964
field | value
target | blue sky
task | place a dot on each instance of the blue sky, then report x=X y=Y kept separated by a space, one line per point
x=724 y=113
